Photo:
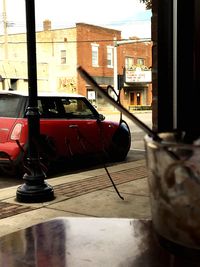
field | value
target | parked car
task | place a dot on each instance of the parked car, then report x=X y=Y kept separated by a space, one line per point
x=70 y=127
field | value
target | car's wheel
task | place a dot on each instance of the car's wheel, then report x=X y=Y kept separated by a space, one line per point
x=121 y=143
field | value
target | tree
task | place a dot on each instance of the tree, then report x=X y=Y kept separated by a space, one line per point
x=148 y=3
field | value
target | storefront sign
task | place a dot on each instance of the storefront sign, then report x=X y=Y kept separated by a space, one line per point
x=138 y=76
x=91 y=95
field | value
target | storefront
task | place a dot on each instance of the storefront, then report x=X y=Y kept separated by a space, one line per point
x=137 y=88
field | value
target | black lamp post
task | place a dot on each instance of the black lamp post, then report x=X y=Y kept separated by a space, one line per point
x=35 y=189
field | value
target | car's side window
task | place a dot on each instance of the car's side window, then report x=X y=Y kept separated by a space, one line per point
x=10 y=106
x=76 y=108
x=48 y=108
x=64 y=107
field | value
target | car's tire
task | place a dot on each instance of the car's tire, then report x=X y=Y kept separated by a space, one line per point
x=121 y=143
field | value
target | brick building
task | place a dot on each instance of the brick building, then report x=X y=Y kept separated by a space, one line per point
x=60 y=51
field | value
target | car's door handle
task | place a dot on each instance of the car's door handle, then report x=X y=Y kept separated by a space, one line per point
x=73 y=126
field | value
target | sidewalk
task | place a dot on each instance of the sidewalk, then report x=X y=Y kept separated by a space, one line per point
x=84 y=194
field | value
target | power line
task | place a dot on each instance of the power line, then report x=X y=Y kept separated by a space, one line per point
x=63 y=25
x=143 y=40
x=71 y=42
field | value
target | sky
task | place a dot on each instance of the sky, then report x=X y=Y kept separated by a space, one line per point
x=131 y=18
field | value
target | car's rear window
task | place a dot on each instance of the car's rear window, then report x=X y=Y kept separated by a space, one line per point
x=9 y=106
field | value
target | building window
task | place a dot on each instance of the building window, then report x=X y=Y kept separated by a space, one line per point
x=63 y=56
x=110 y=56
x=140 y=61
x=129 y=62
x=95 y=55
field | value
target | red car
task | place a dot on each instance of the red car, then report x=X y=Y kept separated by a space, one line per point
x=70 y=127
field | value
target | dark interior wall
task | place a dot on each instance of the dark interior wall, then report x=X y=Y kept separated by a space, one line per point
x=162 y=35
x=185 y=62
x=188 y=65
x=188 y=62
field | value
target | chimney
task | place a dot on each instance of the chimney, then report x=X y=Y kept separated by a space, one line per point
x=47 y=25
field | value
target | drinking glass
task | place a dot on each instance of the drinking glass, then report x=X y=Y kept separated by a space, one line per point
x=174 y=184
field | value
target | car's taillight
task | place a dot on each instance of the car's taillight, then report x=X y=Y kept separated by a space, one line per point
x=16 y=132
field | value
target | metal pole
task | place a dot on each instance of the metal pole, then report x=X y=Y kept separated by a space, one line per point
x=175 y=64
x=5 y=31
x=35 y=189
x=163 y=70
x=115 y=66
x=188 y=92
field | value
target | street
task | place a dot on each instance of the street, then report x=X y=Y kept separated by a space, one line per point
x=136 y=152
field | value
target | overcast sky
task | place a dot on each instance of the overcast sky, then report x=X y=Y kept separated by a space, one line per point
x=129 y=16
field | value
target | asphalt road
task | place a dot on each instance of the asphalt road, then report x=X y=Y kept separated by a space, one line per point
x=136 y=152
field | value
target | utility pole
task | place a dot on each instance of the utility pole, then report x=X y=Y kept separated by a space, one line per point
x=5 y=31
x=115 y=66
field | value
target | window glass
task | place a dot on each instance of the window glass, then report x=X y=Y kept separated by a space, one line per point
x=77 y=108
x=110 y=57
x=129 y=62
x=48 y=108
x=63 y=56
x=65 y=108
x=95 y=55
x=140 y=61
x=9 y=106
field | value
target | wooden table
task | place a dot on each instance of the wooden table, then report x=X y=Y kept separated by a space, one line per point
x=87 y=242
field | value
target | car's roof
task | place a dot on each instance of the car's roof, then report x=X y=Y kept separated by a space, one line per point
x=48 y=94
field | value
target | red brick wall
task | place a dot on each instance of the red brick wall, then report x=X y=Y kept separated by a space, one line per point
x=88 y=34
x=137 y=50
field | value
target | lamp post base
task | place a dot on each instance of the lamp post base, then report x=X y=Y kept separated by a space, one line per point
x=34 y=191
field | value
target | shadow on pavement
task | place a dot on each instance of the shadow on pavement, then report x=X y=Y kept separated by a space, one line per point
x=89 y=164
x=72 y=167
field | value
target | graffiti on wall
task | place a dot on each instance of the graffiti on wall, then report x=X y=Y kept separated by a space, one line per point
x=68 y=84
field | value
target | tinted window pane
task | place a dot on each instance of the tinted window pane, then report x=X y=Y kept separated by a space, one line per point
x=76 y=108
x=9 y=106
x=49 y=108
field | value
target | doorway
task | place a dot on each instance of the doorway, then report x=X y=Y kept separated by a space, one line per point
x=138 y=99
x=135 y=99
x=132 y=98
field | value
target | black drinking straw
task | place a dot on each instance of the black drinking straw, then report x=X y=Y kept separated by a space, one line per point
x=86 y=76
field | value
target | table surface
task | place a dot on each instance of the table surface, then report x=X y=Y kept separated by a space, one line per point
x=67 y=241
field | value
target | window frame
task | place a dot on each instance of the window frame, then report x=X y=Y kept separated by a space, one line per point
x=95 y=55
x=140 y=61
x=63 y=57
x=128 y=64
x=110 y=56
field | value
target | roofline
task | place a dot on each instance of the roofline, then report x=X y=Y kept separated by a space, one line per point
x=74 y=26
